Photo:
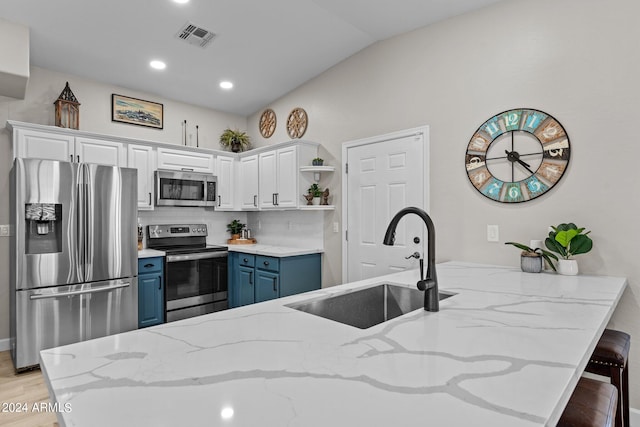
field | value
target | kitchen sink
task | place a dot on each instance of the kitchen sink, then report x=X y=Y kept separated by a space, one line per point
x=367 y=307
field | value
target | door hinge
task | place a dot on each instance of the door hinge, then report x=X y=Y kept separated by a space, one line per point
x=346 y=235
x=346 y=168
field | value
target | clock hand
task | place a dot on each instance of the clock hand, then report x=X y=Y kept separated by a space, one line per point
x=506 y=157
x=513 y=156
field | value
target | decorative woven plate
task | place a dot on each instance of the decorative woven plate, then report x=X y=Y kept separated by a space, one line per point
x=267 y=123
x=297 y=123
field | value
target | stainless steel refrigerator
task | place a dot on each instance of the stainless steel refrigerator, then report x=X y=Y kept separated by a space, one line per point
x=74 y=260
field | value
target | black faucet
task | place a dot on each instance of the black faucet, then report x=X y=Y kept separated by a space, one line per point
x=429 y=284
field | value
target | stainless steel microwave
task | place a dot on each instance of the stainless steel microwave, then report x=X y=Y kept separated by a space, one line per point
x=176 y=188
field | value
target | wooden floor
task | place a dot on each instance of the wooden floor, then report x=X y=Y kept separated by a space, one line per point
x=22 y=390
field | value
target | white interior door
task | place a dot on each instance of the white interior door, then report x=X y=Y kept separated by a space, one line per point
x=384 y=174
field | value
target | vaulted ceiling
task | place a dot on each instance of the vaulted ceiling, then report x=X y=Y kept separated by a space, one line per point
x=265 y=48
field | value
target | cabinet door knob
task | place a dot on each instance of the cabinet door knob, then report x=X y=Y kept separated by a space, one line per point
x=148 y=265
x=245 y=260
x=149 y=199
x=266 y=263
x=275 y=287
x=159 y=282
x=251 y=277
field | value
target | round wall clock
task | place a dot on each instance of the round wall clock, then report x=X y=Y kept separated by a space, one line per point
x=517 y=155
x=267 y=123
x=297 y=123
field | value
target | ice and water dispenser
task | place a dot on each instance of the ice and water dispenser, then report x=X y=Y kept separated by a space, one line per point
x=44 y=228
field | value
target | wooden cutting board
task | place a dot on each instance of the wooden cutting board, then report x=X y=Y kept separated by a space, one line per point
x=241 y=241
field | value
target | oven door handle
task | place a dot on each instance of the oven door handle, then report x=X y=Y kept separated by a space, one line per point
x=196 y=256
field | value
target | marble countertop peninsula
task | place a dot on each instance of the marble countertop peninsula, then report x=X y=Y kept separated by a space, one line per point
x=507 y=350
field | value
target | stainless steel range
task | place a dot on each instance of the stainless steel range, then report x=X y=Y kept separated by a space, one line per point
x=195 y=273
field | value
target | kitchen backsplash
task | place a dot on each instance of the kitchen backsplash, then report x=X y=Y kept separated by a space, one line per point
x=298 y=229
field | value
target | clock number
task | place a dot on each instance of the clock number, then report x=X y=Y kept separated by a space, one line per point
x=512 y=119
x=514 y=192
x=556 y=153
x=480 y=177
x=492 y=129
x=532 y=121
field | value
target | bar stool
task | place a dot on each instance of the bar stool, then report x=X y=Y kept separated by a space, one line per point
x=609 y=359
x=592 y=404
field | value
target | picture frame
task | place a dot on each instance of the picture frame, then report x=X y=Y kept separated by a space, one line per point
x=134 y=111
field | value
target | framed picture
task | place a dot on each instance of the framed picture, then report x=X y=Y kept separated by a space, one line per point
x=136 y=111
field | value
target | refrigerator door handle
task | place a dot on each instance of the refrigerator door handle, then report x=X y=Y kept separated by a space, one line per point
x=81 y=292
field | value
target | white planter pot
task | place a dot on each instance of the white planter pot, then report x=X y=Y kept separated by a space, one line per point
x=568 y=267
x=316 y=200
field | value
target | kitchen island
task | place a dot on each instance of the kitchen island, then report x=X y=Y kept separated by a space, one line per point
x=506 y=350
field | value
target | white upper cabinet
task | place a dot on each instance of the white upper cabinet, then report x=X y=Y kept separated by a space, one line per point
x=34 y=144
x=182 y=160
x=274 y=177
x=267 y=171
x=100 y=151
x=279 y=172
x=141 y=157
x=287 y=177
x=225 y=168
x=248 y=182
x=30 y=143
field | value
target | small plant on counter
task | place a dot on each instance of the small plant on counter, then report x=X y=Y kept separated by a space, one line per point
x=568 y=240
x=315 y=190
x=537 y=252
x=235 y=227
x=235 y=140
x=317 y=162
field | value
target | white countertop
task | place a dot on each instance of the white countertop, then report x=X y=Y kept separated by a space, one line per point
x=507 y=350
x=150 y=253
x=271 y=250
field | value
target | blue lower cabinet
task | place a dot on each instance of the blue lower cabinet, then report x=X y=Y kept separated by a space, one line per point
x=267 y=285
x=150 y=291
x=256 y=278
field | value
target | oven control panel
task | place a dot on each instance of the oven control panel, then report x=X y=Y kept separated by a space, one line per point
x=177 y=230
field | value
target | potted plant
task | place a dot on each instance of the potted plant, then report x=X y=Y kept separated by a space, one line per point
x=235 y=227
x=568 y=240
x=235 y=140
x=531 y=259
x=316 y=192
x=317 y=161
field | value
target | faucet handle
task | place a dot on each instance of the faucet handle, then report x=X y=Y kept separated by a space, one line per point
x=415 y=255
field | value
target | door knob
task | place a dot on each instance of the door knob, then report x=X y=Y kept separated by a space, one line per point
x=415 y=255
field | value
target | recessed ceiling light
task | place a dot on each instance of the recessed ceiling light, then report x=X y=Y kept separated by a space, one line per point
x=226 y=85
x=181 y=1
x=158 y=65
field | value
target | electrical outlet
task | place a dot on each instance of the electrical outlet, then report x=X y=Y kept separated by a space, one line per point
x=336 y=227
x=5 y=230
x=493 y=233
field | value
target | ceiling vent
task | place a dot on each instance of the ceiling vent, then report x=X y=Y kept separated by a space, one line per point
x=195 y=35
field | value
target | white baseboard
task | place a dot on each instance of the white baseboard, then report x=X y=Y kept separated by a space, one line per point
x=5 y=344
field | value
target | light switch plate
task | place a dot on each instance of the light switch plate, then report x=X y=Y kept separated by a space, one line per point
x=493 y=233
x=5 y=230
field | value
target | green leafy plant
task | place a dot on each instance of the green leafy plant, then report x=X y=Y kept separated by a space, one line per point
x=315 y=190
x=317 y=161
x=235 y=140
x=568 y=240
x=235 y=227
x=527 y=251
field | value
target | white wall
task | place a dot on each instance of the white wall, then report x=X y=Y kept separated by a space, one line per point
x=575 y=59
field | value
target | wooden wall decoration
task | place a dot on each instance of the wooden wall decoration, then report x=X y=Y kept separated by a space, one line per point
x=297 y=123
x=267 y=123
